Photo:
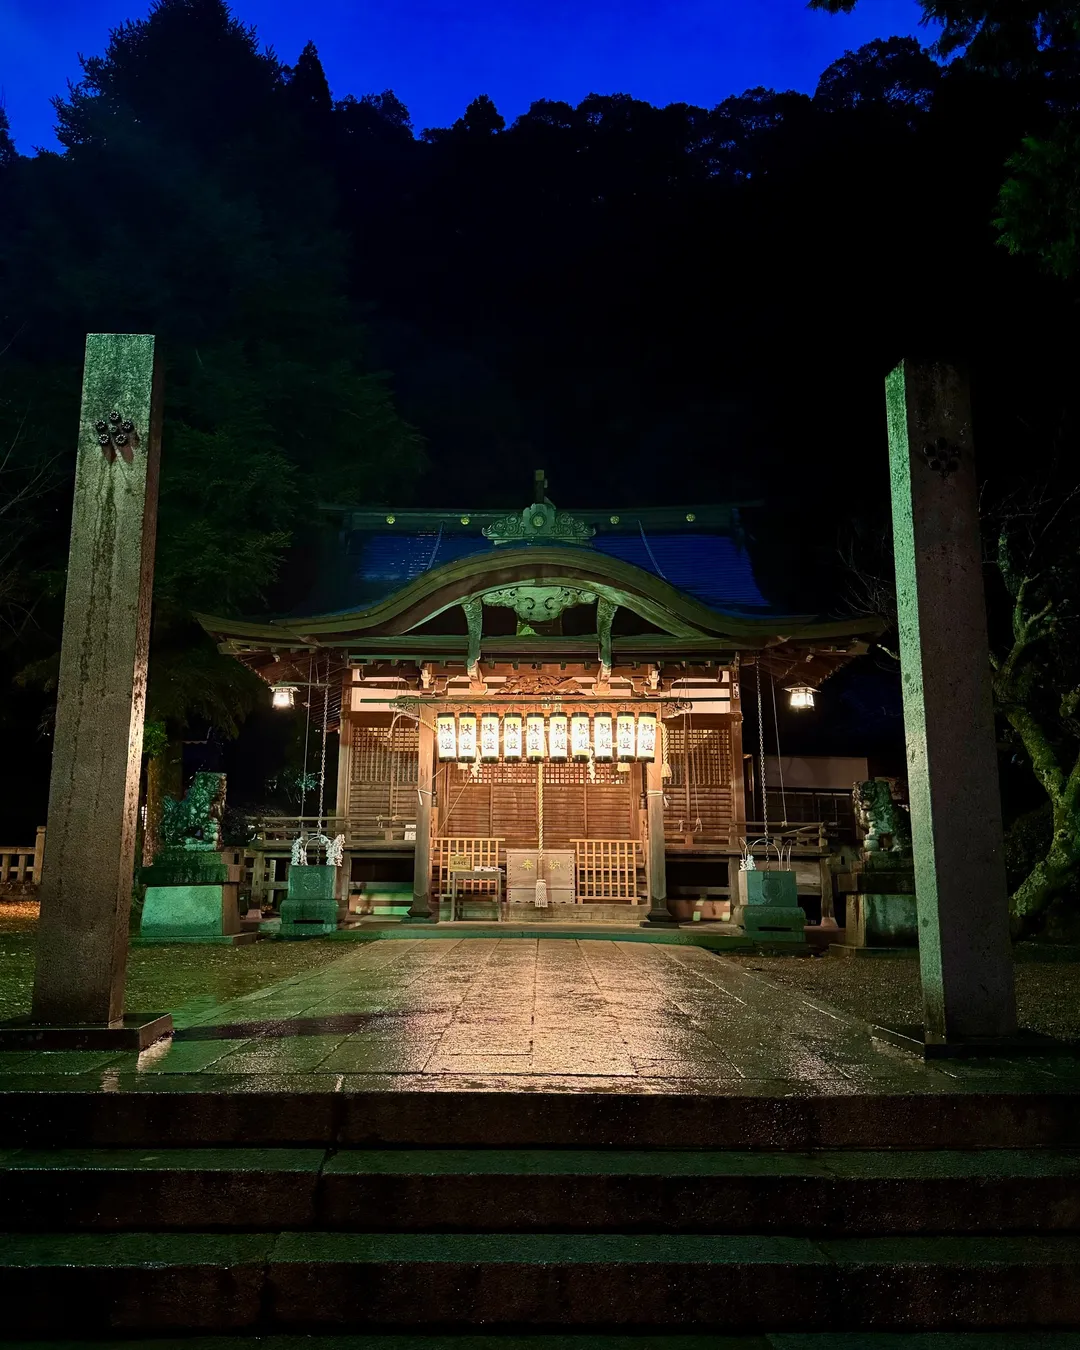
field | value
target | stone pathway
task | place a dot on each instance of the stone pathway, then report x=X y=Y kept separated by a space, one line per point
x=532 y=1014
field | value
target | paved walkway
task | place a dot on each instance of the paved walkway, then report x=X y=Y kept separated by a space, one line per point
x=532 y=1014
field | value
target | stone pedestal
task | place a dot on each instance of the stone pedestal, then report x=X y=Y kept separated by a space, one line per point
x=191 y=897
x=964 y=952
x=768 y=908
x=310 y=909
x=193 y=914
x=881 y=911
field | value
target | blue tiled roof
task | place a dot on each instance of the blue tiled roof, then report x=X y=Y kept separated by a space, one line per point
x=713 y=568
x=710 y=567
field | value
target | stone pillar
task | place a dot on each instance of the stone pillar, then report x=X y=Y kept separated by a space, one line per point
x=420 y=911
x=93 y=799
x=964 y=949
x=659 y=912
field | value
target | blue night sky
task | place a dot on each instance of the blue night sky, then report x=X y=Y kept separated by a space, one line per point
x=438 y=54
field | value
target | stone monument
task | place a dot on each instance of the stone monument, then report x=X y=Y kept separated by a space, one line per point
x=190 y=896
x=964 y=952
x=82 y=942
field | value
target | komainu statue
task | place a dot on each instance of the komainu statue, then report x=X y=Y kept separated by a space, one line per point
x=195 y=822
x=881 y=812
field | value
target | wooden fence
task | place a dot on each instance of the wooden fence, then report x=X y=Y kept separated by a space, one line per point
x=22 y=866
x=606 y=869
x=463 y=852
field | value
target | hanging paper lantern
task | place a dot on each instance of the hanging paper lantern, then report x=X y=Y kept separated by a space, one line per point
x=580 y=736
x=512 y=736
x=646 y=736
x=466 y=737
x=558 y=736
x=625 y=740
x=534 y=736
x=489 y=736
x=602 y=736
x=446 y=735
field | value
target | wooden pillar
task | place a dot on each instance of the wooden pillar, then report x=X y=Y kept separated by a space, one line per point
x=964 y=951
x=93 y=799
x=657 y=857
x=420 y=910
x=344 y=767
x=738 y=771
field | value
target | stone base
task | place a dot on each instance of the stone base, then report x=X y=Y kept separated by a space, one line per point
x=218 y=940
x=913 y=1038
x=659 y=918
x=882 y=919
x=189 y=913
x=136 y=1031
x=308 y=918
x=178 y=866
x=848 y=949
x=772 y=923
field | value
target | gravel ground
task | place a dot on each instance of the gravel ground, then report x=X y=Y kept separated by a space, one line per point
x=159 y=977
x=886 y=989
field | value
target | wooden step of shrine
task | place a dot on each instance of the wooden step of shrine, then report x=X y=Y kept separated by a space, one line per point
x=830 y=1193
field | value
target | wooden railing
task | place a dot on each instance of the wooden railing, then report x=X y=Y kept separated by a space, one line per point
x=22 y=866
x=463 y=852
x=809 y=837
x=358 y=830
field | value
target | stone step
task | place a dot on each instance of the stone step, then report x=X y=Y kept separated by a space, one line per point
x=835 y=1192
x=101 y=1283
x=826 y=1340
x=139 y=1111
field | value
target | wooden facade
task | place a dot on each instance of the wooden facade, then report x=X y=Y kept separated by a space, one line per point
x=539 y=619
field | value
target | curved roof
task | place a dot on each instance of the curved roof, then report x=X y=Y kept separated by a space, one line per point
x=712 y=567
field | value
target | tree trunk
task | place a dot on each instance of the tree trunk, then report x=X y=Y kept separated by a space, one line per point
x=1051 y=877
x=164 y=778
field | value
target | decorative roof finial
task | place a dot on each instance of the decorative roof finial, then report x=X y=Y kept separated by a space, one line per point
x=540 y=523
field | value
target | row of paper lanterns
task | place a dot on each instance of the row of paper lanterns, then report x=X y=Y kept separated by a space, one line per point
x=491 y=736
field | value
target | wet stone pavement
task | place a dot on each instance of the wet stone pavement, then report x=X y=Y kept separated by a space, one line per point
x=531 y=1014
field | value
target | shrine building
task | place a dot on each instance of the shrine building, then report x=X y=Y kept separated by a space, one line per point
x=559 y=695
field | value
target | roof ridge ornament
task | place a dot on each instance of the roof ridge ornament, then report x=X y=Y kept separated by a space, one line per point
x=538 y=522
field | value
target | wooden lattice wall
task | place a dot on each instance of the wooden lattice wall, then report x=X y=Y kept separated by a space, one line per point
x=699 y=797
x=502 y=802
x=383 y=769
